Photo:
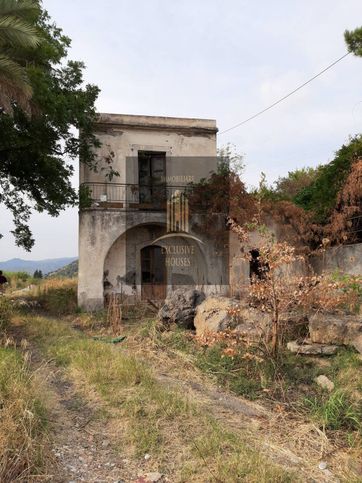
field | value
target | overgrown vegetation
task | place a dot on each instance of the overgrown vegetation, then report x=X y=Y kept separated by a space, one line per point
x=6 y=312
x=23 y=420
x=153 y=418
x=19 y=280
x=321 y=196
x=288 y=381
x=58 y=296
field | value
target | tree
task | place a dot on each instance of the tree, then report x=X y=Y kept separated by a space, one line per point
x=287 y=187
x=353 y=40
x=37 y=152
x=346 y=219
x=16 y=32
x=38 y=274
x=321 y=196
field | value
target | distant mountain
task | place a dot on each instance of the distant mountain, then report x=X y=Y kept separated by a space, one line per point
x=69 y=271
x=29 y=266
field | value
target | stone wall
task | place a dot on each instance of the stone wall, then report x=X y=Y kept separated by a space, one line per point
x=346 y=259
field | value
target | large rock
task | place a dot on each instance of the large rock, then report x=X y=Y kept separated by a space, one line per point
x=180 y=307
x=213 y=314
x=339 y=330
x=220 y=313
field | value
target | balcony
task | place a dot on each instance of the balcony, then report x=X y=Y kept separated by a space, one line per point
x=128 y=196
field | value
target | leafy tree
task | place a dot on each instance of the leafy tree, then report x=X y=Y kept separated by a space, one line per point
x=321 y=196
x=37 y=152
x=16 y=32
x=287 y=187
x=353 y=40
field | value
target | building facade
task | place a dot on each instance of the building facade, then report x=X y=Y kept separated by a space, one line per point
x=139 y=234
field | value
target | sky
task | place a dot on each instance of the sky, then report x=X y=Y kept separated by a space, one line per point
x=219 y=59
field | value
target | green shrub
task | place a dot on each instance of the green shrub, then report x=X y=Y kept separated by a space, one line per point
x=5 y=313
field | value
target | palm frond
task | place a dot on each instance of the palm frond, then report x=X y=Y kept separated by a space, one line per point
x=17 y=8
x=14 y=85
x=18 y=32
x=13 y=71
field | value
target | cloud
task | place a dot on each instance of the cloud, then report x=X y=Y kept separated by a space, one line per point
x=221 y=59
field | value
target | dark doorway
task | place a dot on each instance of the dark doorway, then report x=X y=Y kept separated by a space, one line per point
x=153 y=273
x=152 y=178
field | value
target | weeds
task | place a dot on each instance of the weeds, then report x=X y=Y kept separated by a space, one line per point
x=290 y=379
x=6 y=311
x=337 y=411
x=23 y=435
x=58 y=296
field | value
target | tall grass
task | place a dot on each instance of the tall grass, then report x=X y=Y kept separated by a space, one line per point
x=337 y=411
x=5 y=313
x=58 y=296
x=22 y=420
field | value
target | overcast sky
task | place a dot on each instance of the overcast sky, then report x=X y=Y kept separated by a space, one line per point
x=221 y=59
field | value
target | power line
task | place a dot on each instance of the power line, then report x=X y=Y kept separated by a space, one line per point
x=286 y=96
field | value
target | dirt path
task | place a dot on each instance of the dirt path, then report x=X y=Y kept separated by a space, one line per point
x=82 y=440
x=82 y=444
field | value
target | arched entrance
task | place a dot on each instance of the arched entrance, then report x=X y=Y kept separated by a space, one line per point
x=153 y=273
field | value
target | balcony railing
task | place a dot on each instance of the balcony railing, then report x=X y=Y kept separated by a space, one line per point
x=130 y=196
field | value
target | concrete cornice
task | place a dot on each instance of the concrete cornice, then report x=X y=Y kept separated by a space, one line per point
x=119 y=122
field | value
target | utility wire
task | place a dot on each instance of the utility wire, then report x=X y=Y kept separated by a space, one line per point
x=286 y=96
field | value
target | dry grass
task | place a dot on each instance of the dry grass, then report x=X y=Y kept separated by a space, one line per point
x=23 y=429
x=292 y=423
x=185 y=443
x=57 y=296
x=6 y=312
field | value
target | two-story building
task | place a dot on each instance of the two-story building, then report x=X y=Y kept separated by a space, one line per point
x=138 y=236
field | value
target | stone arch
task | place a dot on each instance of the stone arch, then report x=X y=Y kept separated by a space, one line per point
x=185 y=257
x=121 y=262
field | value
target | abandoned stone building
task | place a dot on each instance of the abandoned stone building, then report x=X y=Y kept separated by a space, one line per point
x=137 y=234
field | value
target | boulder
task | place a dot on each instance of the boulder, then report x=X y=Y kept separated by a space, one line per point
x=180 y=307
x=218 y=313
x=213 y=314
x=310 y=348
x=339 y=330
x=253 y=324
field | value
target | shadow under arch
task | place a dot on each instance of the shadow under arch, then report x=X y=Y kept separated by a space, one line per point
x=183 y=256
x=120 y=263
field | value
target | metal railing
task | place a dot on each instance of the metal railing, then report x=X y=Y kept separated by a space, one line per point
x=125 y=195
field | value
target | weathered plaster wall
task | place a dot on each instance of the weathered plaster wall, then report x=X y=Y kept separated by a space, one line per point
x=346 y=259
x=239 y=266
x=177 y=137
x=98 y=231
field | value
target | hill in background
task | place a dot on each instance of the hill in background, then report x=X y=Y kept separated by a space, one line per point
x=29 y=266
x=69 y=271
